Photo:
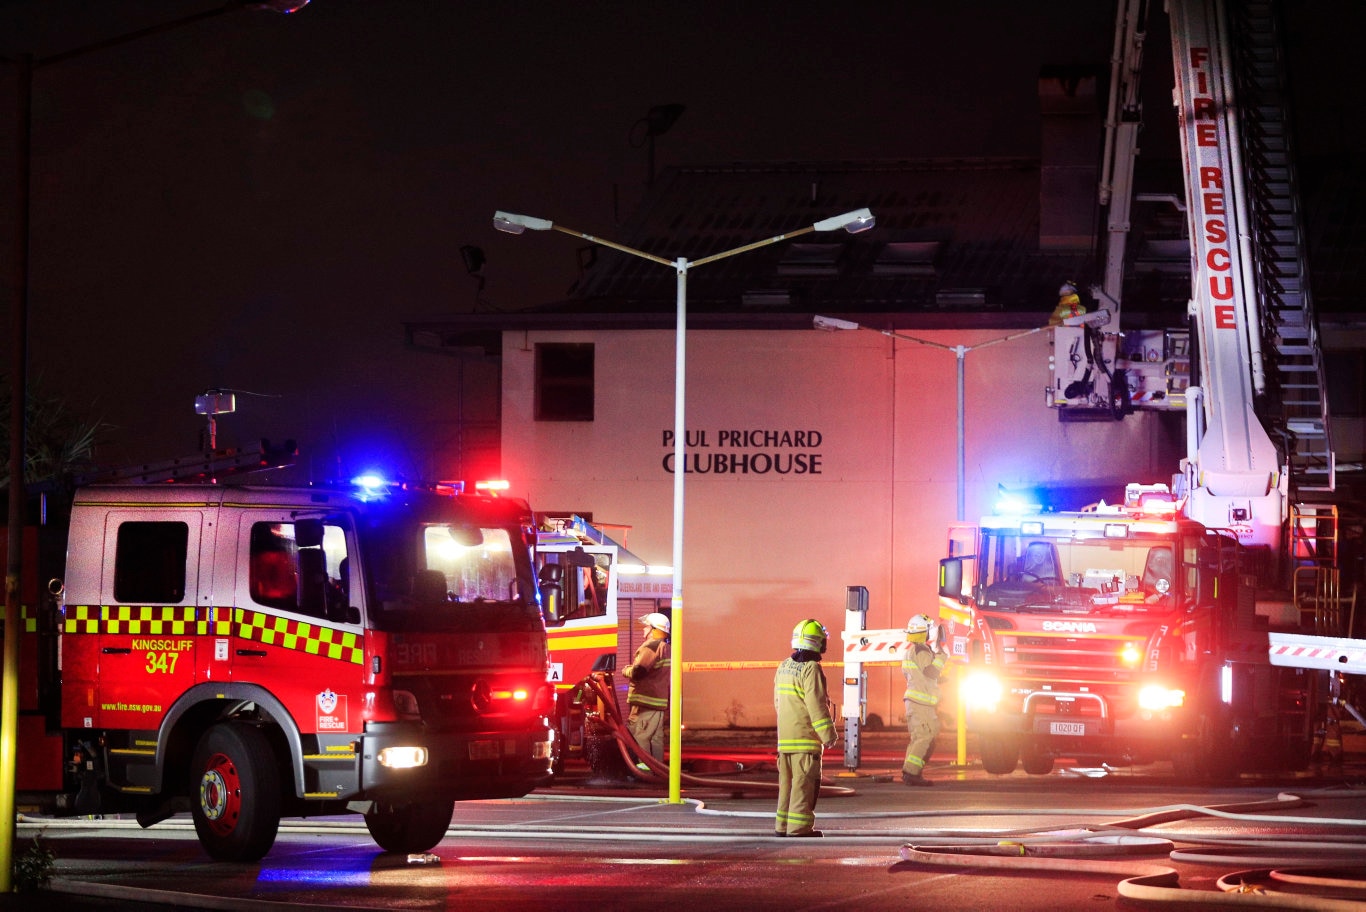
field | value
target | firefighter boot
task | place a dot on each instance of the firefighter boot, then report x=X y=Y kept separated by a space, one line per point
x=914 y=779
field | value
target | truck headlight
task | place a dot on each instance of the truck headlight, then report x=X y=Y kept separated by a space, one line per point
x=981 y=690
x=402 y=757
x=1155 y=698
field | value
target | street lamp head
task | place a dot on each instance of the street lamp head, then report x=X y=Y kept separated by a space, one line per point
x=512 y=223
x=833 y=324
x=852 y=222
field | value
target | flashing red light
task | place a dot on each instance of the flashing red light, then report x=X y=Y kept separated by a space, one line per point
x=492 y=486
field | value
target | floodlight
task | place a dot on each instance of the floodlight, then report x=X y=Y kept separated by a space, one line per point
x=833 y=324
x=512 y=223
x=852 y=222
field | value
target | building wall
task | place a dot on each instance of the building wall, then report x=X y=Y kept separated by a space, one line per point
x=764 y=549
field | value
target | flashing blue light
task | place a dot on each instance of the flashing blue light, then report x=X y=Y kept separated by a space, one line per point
x=1011 y=504
x=371 y=484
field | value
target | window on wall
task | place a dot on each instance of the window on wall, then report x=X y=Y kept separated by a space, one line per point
x=564 y=381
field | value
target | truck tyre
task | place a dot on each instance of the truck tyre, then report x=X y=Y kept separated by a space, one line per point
x=1211 y=755
x=409 y=827
x=1036 y=760
x=236 y=802
x=999 y=753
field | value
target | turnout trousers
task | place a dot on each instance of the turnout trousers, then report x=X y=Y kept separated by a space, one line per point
x=799 y=785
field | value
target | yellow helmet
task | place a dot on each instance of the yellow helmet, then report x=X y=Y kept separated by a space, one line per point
x=811 y=635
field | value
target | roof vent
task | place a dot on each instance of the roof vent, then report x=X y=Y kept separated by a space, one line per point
x=761 y=298
x=907 y=258
x=810 y=260
x=960 y=298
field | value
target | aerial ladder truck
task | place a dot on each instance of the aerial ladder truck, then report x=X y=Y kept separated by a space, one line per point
x=1200 y=621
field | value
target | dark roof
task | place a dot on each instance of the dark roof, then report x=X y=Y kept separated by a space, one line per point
x=951 y=235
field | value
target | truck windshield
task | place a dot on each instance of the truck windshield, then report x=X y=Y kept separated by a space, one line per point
x=450 y=576
x=1022 y=571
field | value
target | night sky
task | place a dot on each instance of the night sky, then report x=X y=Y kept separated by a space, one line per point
x=258 y=202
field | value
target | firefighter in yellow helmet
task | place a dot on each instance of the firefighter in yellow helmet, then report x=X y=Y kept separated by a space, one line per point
x=648 y=695
x=1069 y=304
x=922 y=664
x=805 y=728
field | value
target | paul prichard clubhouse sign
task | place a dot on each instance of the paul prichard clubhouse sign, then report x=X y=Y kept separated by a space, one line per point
x=748 y=452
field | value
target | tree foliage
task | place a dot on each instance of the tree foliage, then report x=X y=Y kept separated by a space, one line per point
x=57 y=442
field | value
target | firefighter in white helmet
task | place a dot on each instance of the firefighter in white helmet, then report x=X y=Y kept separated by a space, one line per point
x=648 y=695
x=805 y=728
x=1069 y=304
x=922 y=664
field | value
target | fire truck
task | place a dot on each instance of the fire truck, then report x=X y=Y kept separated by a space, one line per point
x=245 y=652
x=594 y=590
x=1198 y=622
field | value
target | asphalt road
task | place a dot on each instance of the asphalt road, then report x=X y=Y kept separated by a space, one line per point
x=1074 y=839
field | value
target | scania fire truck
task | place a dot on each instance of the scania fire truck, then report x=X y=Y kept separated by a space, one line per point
x=247 y=652
x=1200 y=621
x=1127 y=634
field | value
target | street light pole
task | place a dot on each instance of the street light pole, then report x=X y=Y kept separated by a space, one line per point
x=18 y=368
x=511 y=223
x=960 y=352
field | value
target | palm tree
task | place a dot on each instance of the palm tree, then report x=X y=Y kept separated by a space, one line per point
x=58 y=443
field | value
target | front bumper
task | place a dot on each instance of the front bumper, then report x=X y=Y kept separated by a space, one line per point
x=460 y=765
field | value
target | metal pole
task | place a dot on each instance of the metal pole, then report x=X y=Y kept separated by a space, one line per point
x=9 y=689
x=676 y=603
x=961 y=352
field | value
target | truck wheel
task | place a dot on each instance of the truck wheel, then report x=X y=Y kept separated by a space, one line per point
x=1212 y=754
x=409 y=827
x=1035 y=760
x=999 y=754
x=237 y=801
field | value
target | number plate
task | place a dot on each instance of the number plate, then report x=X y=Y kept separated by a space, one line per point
x=1067 y=728
x=484 y=750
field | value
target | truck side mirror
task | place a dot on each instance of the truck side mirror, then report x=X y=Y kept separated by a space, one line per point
x=308 y=533
x=951 y=578
x=552 y=602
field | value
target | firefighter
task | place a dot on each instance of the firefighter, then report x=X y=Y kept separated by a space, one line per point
x=648 y=695
x=805 y=728
x=1069 y=304
x=922 y=664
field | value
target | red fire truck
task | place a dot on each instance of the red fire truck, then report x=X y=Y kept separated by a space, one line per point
x=1202 y=625
x=1126 y=634
x=247 y=652
x=594 y=591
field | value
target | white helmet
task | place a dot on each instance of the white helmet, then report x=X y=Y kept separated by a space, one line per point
x=919 y=623
x=1067 y=288
x=810 y=635
x=656 y=620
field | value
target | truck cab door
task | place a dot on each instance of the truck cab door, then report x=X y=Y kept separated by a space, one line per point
x=297 y=619
x=148 y=592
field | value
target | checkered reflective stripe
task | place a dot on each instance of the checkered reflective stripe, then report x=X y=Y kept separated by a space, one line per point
x=301 y=635
x=147 y=620
x=176 y=620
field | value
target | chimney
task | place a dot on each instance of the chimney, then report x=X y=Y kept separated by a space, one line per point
x=1070 y=151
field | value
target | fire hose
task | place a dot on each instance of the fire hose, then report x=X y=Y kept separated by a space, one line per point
x=609 y=715
x=1076 y=851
